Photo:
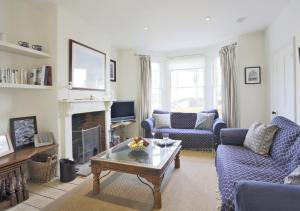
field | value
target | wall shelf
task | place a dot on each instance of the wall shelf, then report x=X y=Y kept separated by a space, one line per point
x=24 y=86
x=16 y=49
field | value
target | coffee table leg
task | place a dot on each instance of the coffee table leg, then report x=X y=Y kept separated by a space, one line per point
x=177 y=160
x=157 y=194
x=96 y=180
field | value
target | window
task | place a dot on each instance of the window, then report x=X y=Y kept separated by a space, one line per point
x=195 y=83
x=155 y=99
x=187 y=83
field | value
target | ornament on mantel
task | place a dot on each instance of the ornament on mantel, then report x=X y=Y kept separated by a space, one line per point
x=70 y=85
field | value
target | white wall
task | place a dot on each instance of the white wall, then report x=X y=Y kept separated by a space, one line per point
x=253 y=99
x=128 y=83
x=281 y=32
x=52 y=29
x=252 y=102
x=72 y=27
x=19 y=20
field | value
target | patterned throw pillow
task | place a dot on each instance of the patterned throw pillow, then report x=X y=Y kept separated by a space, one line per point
x=293 y=178
x=204 y=120
x=260 y=137
x=162 y=120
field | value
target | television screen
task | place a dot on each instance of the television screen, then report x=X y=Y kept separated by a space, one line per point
x=122 y=110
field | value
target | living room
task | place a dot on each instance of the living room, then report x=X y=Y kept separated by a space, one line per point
x=112 y=92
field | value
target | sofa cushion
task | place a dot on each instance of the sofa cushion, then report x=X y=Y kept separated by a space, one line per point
x=183 y=131
x=204 y=120
x=294 y=155
x=293 y=178
x=215 y=111
x=284 y=140
x=235 y=163
x=162 y=120
x=156 y=111
x=260 y=137
x=183 y=120
x=191 y=138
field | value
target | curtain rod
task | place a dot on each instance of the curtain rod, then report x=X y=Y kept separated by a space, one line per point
x=236 y=44
x=140 y=55
x=199 y=54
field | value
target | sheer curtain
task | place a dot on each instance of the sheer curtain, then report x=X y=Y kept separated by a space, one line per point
x=145 y=90
x=228 y=69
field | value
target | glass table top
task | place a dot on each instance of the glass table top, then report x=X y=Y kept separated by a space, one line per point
x=153 y=156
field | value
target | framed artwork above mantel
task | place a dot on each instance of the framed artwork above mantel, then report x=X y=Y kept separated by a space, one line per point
x=87 y=67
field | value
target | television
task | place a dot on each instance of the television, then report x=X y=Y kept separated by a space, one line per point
x=122 y=111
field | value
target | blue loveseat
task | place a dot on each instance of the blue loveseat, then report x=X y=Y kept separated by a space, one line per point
x=252 y=182
x=182 y=128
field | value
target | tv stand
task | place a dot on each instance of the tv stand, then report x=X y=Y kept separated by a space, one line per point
x=124 y=123
x=118 y=125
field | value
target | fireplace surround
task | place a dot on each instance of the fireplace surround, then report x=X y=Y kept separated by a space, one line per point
x=96 y=112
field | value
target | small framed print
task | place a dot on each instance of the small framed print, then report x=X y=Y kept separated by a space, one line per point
x=113 y=71
x=5 y=145
x=22 y=131
x=43 y=139
x=252 y=75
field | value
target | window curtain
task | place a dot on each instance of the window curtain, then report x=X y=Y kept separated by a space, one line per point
x=145 y=90
x=228 y=69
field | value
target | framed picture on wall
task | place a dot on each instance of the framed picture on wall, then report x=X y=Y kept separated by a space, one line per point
x=22 y=131
x=113 y=71
x=87 y=67
x=252 y=75
x=5 y=145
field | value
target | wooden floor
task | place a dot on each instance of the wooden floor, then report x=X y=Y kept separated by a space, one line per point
x=40 y=195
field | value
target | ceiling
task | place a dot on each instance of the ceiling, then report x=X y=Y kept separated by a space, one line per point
x=174 y=24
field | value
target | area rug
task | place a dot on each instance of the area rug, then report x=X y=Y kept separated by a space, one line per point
x=192 y=187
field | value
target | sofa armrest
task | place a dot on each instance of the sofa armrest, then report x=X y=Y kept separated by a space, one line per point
x=217 y=126
x=148 y=125
x=262 y=196
x=233 y=136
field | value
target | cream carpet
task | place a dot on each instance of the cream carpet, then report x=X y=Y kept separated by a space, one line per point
x=192 y=187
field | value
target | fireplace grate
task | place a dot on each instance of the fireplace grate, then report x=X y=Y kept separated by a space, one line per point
x=86 y=143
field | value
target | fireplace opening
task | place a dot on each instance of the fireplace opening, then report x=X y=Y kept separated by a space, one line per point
x=86 y=144
x=88 y=135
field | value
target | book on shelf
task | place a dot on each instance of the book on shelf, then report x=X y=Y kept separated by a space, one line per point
x=37 y=76
x=32 y=76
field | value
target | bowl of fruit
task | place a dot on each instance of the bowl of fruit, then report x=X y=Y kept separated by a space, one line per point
x=138 y=144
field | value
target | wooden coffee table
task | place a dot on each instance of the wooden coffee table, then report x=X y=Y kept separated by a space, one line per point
x=150 y=164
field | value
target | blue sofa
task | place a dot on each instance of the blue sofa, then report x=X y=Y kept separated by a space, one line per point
x=183 y=125
x=249 y=181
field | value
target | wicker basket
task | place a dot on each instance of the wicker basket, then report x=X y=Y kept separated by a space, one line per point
x=42 y=167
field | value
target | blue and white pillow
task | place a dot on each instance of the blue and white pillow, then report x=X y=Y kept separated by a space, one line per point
x=204 y=120
x=162 y=120
x=293 y=178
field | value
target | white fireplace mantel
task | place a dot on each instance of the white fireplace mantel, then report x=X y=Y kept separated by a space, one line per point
x=77 y=106
x=85 y=105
